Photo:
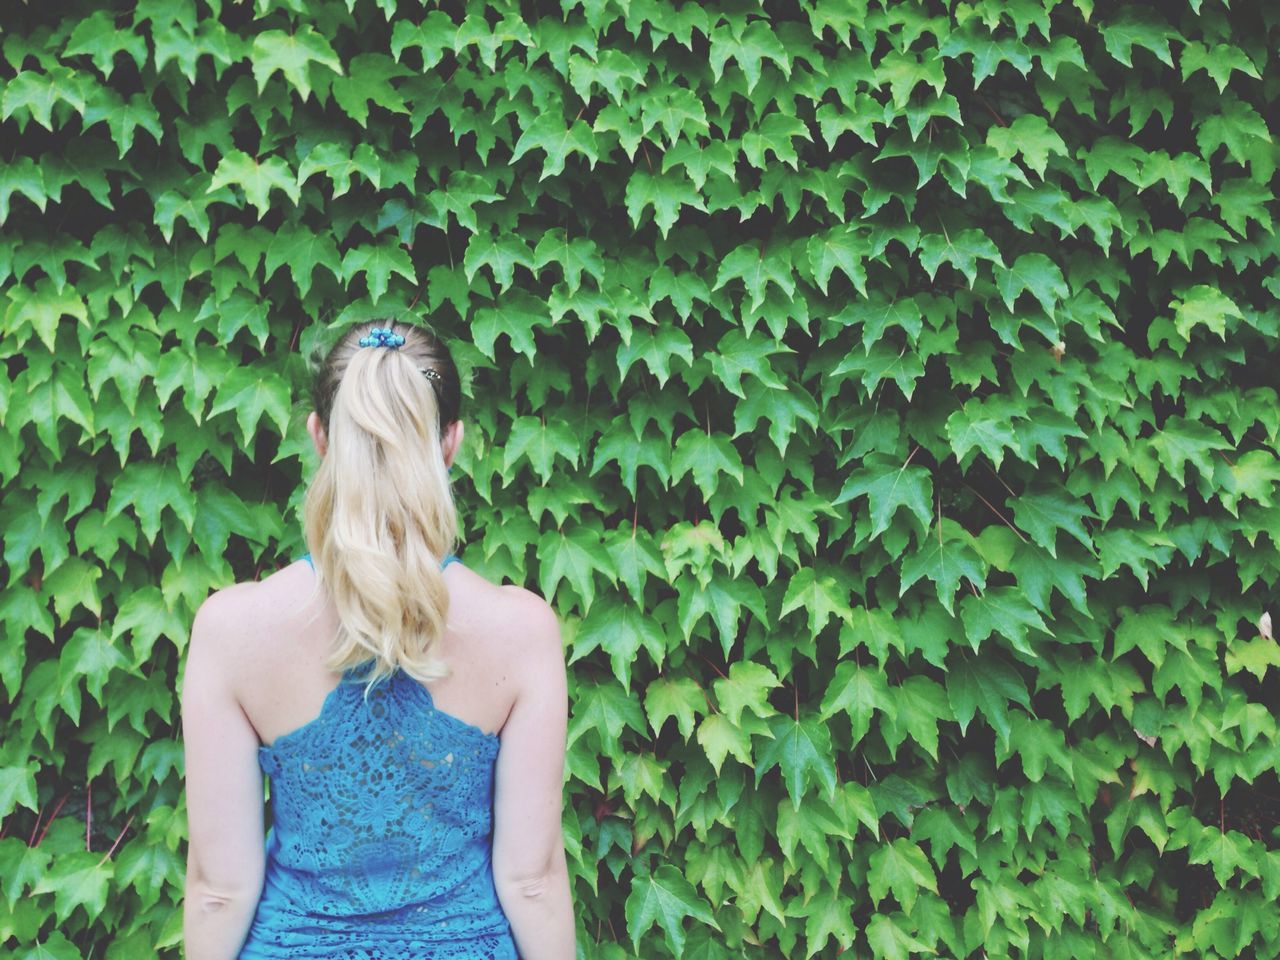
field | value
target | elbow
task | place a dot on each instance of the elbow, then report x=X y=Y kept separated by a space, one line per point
x=531 y=887
x=211 y=899
x=534 y=883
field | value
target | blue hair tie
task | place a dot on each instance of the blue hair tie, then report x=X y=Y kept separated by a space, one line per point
x=380 y=337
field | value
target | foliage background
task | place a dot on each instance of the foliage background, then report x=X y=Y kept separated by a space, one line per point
x=882 y=392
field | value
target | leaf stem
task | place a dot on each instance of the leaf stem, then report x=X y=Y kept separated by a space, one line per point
x=52 y=816
x=713 y=667
x=997 y=476
x=120 y=837
x=996 y=512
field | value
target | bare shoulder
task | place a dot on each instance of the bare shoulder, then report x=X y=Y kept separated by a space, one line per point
x=538 y=658
x=231 y=620
x=531 y=613
x=530 y=627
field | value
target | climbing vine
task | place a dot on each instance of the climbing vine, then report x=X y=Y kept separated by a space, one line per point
x=883 y=393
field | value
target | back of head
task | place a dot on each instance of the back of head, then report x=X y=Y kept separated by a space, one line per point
x=379 y=516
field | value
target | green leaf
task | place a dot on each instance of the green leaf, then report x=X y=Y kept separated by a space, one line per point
x=681 y=698
x=253 y=392
x=43 y=308
x=747 y=686
x=945 y=556
x=1044 y=513
x=757 y=271
x=664 y=897
x=1203 y=306
x=666 y=193
x=369 y=81
x=97 y=36
x=828 y=918
x=901 y=868
x=574 y=256
x=606 y=710
x=738 y=355
x=377 y=261
x=984 y=425
x=256 y=179
x=657 y=347
x=889 y=485
x=843 y=247
x=1002 y=611
x=1176 y=173
x=1229 y=852
x=576 y=554
x=301 y=250
x=433 y=36
x=1238 y=127
x=987 y=683
x=81 y=880
x=21 y=175
x=719 y=738
x=857 y=691
x=36 y=93
x=1031 y=136
x=918 y=704
x=540 y=443
x=150 y=869
x=802 y=749
x=18 y=789
x=1037 y=274
x=54 y=947
x=550 y=134
x=1039 y=574
x=339 y=162
x=962 y=251
x=1137 y=26
x=706 y=456
x=748 y=48
x=883 y=362
x=1183 y=441
x=783 y=407
x=889 y=938
x=501 y=254
x=1219 y=61
x=240 y=311
x=292 y=55
x=620 y=630
x=820 y=593
x=722 y=600
x=91 y=654
x=1036 y=741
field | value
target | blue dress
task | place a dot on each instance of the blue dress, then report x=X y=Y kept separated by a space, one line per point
x=381 y=835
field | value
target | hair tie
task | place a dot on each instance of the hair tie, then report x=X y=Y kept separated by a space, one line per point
x=380 y=337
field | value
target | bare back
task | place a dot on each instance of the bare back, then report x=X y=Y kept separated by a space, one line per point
x=277 y=665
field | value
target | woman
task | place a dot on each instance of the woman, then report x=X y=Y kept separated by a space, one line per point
x=410 y=714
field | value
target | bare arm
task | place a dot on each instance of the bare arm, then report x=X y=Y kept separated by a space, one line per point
x=529 y=866
x=226 y=856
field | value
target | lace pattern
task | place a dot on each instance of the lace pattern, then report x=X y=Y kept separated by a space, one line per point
x=380 y=842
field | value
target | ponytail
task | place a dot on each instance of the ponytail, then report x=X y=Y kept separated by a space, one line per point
x=379 y=517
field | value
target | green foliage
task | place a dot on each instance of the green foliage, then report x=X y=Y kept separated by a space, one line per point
x=882 y=392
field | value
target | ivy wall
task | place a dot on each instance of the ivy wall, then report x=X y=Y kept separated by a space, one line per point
x=884 y=393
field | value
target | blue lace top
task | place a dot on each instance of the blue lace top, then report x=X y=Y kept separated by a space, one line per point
x=382 y=825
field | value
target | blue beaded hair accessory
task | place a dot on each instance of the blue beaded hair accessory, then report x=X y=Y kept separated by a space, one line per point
x=381 y=337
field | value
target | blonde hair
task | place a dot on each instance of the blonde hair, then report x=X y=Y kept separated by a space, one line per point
x=379 y=517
